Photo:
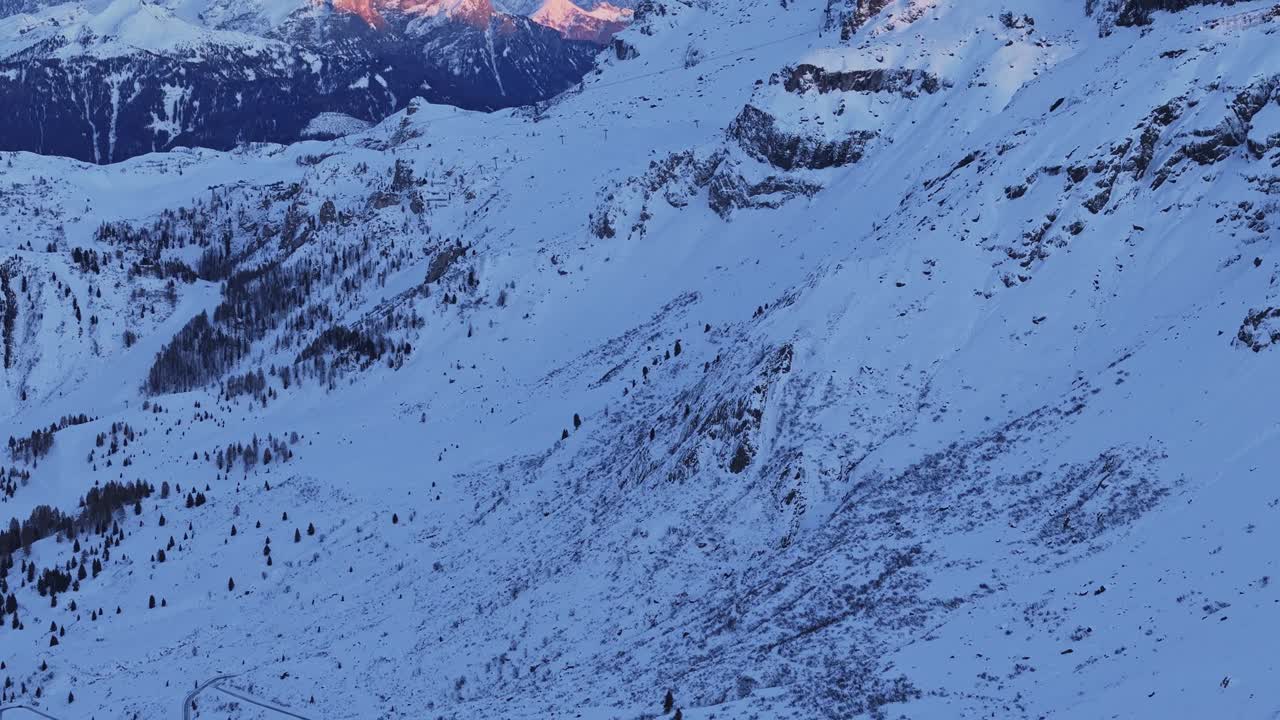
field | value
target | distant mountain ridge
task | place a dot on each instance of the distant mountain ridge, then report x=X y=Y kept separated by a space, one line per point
x=597 y=25
x=102 y=82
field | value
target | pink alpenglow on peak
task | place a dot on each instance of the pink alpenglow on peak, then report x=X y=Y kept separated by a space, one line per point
x=597 y=25
x=473 y=12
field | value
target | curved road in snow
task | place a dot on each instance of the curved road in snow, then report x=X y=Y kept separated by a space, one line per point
x=214 y=684
x=28 y=708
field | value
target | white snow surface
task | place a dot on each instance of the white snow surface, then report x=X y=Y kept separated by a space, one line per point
x=331 y=124
x=980 y=423
x=112 y=28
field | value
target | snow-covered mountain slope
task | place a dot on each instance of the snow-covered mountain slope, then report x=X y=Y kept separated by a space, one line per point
x=817 y=361
x=105 y=81
x=597 y=25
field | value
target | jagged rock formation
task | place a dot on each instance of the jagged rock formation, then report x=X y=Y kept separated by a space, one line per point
x=1130 y=13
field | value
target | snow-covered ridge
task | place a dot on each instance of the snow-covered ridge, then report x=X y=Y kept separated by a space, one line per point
x=116 y=28
x=597 y=25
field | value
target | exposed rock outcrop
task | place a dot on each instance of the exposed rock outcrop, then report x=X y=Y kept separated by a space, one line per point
x=758 y=134
x=908 y=83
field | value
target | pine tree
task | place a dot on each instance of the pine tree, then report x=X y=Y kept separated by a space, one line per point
x=297 y=535
x=311 y=529
x=151 y=605
x=668 y=702
x=231 y=584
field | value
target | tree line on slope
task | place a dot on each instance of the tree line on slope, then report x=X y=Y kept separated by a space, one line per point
x=36 y=445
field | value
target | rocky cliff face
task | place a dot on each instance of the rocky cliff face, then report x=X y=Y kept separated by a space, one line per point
x=1129 y=13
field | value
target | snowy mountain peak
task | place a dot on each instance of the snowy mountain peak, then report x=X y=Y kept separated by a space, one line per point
x=477 y=13
x=597 y=25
